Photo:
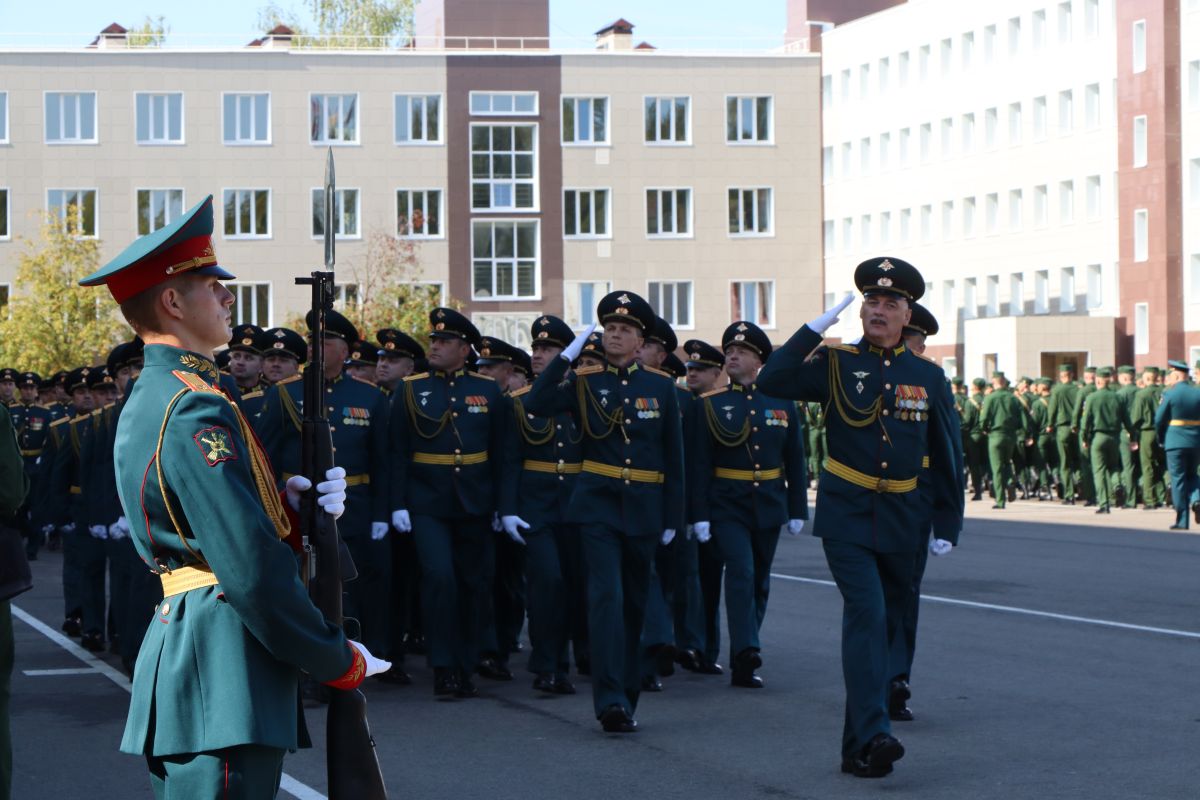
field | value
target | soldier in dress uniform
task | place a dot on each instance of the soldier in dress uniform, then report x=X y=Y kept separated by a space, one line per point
x=1103 y=419
x=629 y=497
x=245 y=359
x=1087 y=485
x=31 y=423
x=362 y=361
x=8 y=386
x=451 y=474
x=522 y=371
x=592 y=354
x=748 y=481
x=1150 y=452
x=890 y=412
x=214 y=704
x=283 y=351
x=398 y=354
x=1177 y=425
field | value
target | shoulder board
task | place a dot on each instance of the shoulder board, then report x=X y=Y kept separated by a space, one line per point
x=362 y=380
x=481 y=375
x=659 y=372
x=108 y=406
x=715 y=391
x=60 y=421
x=80 y=417
x=845 y=348
x=97 y=412
x=416 y=377
x=194 y=382
x=297 y=377
x=591 y=369
x=252 y=395
x=521 y=391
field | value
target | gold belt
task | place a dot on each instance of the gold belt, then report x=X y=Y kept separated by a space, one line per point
x=450 y=460
x=748 y=474
x=32 y=453
x=1187 y=422
x=351 y=480
x=623 y=473
x=891 y=486
x=76 y=490
x=184 y=579
x=554 y=468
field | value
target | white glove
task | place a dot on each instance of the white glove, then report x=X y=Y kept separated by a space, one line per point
x=69 y=527
x=331 y=493
x=512 y=525
x=795 y=527
x=374 y=665
x=378 y=530
x=98 y=531
x=119 y=529
x=48 y=529
x=830 y=317
x=668 y=536
x=572 y=351
x=497 y=526
x=401 y=521
x=703 y=531
x=939 y=547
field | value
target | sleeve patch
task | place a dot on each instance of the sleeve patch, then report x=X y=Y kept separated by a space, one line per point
x=216 y=445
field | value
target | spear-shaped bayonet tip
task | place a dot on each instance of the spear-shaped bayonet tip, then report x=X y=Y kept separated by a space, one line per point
x=330 y=183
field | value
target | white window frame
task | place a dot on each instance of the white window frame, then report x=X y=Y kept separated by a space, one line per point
x=1141 y=328
x=534 y=181
x=1091 y=18
x=167 y=141
x=591 y=98
x=234 y=287
x=62 y=216
x=1066 y=202
x=1067 y=289
x=970 y=298
x=537 y=259
x=1066 y=112
x=491 y=98
x=166 y=210
x=339 y=201
x=738 y=284
x=992 y=296
x=991 y=128
x=906 y=225
x=1016 y=209
x=1041 y=114
x=1041 y=205
x=1066 y=22
x=738 y=141
x=1095 y=286
x=691 y=211
x=424 y=97
x=687 y=120
x=61 y=95
x=1091 y=106
x=247 y=236
x=1041 y=291
x=1016 y=123
x=1141 y=235
x=6 y=219
x=572 y=289
x=441 y=214
x=322 y=140
x=662 y=282
x=1140 y=141
x=252 y=142
x=4 y=115
x=1095 y=197
x=590 y=192
x=1137 y=45
x=1016 y=294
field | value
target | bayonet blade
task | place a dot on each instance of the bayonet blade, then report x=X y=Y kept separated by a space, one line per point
x=330 y=190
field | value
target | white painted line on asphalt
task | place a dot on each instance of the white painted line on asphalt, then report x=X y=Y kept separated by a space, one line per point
x=41 y=673
x=287 y=783
x=1029 y=612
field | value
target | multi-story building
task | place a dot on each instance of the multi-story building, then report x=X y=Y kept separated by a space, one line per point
x=530 y=180
x=1036 y=159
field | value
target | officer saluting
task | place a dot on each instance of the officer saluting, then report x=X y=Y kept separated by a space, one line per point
x=889 y=411
x=214 y=699
x=629 y=496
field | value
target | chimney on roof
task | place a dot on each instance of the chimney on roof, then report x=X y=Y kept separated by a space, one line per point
x=645 y=46
x=278 y=38
x=112 y=38
x=617 y=36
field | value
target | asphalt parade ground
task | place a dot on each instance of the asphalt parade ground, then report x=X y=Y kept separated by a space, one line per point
x=1057 y=658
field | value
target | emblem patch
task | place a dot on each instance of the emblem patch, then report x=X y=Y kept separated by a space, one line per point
x=216 y=445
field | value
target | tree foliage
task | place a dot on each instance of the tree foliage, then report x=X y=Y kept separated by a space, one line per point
x=54 y=323
x=344 y=23
x=151 y=33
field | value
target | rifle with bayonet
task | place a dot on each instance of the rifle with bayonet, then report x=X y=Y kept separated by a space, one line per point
x=351 y=761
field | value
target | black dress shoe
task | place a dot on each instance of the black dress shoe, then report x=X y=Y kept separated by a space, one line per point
x=743 y=669
x=689 y=659
x=898 y=696
x=72 y=626
x=1101 y=510
x=395 y=675
x=562 y=685
x=445 y=682
x=707 y=667
x=616 y=719
x=92 y=642
x=1178 y=527
x=651 y=683
x=466 y=688
x=998 y=505
x=876 y=759
x=544 y=682
x=493 y=669
x=664 y=659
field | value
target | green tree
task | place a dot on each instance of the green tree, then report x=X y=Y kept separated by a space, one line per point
x=344 y=23
x=54 y=323
x=151 y=33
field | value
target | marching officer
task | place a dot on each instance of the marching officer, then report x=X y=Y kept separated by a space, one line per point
x=451 y=473
x=891 y=411
x=629 y=497
x=1177 y=424
x=214 y=697
x=748 y=481
x=31 y=422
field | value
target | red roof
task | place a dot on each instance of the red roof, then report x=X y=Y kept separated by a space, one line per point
x=620 y=26
x=114 y=28
x=645 y=46
x=281 y=30
x=255 y=43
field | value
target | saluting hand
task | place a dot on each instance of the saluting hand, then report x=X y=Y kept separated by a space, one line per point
x=572 y=351
x=830 y=317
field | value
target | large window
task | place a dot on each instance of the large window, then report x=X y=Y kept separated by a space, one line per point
x=158 y=208
x=251 y=303
x=246 y=118
x=504 y=167
x=5 y=231
x=1066 y=112
x=345 y=213
x=586 y=214
x=1091 y=106
x=1141 y=328
x=333 y=118
x=753 y=301
x=505 y=260
x=751 y=212
x=1039 y=117
x=667 y=120
x=1041 y=292
x=419 y=213
x=158 y=118
x=668 y=212
x=580 y=299
x=418 y=119
x=247 y=213
x=748 y=120
x=71 y=118
x=585 y=120
x=672 y=300
x=1141 y=235
x=1066 y=202
x=1015 y=124
x=1095 y=286
x=75 y=210
x=1066 y=290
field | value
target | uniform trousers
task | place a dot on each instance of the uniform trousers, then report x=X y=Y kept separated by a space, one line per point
x=555 y=585
x=1151 y=456
x=92 y=560
x=875 y=588
x=659 y=628
x=1185 y=485
x=122 y=561
x=457 y=564
x=904 y=641
x=509 y=591
x=245 y=772
x=712 y=569
x=688 y=600
x=1000 y=448
x=1105 y=452
x=367 y=596
x=406 y=600
x=618 y=567
x=1087 y=483
x=747 y=554
x=1129 y=470
x=1068 y=460
x=71 y=568
x=977 y=461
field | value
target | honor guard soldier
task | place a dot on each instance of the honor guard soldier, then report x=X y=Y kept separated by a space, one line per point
x=1046 y=460
x=398 y=354
x=1177 y=424
x=629 y=497
x=451 y=473
x=1150 y=452
x=215 y=688
x=362 y=361
x=245 y=359
x=1103 y=420
x=549 y=449
x=358 y=418
x=890 y=412
x=748 y=481
x=283 y=351
x=1005 y=423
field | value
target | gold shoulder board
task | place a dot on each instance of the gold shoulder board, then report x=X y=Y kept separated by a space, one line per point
x=659 y=372
x=521 y=391
x=297 y=377
x=60 y=421
x=712 y=392
x=481 y=375
x=845 y=348
x=590 y=369
x=252 y=395
x=194 y=382
x=416 y=377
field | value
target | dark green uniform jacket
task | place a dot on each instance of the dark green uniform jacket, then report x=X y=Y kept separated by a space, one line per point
x=551 y=458
x=1181 y=406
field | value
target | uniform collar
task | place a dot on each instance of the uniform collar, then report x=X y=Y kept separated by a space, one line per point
x=458 y=373
x=740 y=387
x=897 y=350
x=176 y=358
x=623 y=371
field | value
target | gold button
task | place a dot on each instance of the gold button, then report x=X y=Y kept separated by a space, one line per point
x=455 y=413
x=883 y=464
x=885 y=412
x=887 y=386
x=752 y=412
x=755 y=430
x=887 y=363
x=166 y=609
x=452 y=400
x=458 y=469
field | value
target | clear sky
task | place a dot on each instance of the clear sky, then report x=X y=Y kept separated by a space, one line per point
x=750 y=24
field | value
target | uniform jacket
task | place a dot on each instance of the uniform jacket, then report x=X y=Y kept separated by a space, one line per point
x=1062 y=405
x=542 y=497
x=1180 y=403
x=1104 y=412
x=1003 y=413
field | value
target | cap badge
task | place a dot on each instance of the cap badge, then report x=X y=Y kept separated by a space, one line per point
x=885 y=281
x=623 y=299
x=886 y=265
x=247 y=341
x=696 y=356
x=389 y=345
x=487 y=352
x=441 y=314
x=543 y=335
x=278 y=345
x=622 y=310
x=440 y=326
x=740 y=337
x=742 y=327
